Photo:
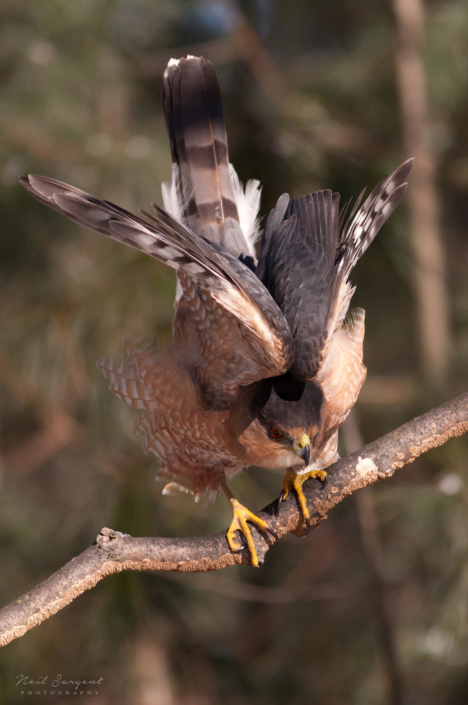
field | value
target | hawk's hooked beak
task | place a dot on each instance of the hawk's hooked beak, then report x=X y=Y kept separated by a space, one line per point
x=304 y=449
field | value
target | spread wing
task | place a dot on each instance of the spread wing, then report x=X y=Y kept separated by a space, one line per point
x=342 y=372
x=262 y=330
x=308 y=251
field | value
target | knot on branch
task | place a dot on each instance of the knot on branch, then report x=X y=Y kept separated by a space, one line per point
x=111 y=542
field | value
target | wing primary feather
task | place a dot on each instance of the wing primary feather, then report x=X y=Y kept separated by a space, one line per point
x=213 y=268
x=363 y=223
x=308 y=249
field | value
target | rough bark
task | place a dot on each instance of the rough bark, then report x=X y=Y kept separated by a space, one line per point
x=114 y=552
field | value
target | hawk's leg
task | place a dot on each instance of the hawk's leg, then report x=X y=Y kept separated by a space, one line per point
x=293 y=481
x=239 y=523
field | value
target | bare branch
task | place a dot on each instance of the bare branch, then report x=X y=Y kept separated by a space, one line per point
x=114 y=552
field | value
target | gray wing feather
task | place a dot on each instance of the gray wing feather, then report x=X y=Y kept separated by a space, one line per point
x=273 y=224
x=308 y=250
x=212 y=267
x=297 y=267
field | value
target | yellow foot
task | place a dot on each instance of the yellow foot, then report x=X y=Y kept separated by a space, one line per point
x=293 y=481
x=239 y=523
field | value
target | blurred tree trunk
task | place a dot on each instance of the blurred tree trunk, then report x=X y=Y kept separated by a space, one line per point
x=429 y=259
x=369 y=531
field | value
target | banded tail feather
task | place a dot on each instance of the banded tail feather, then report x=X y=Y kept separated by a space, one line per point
x=195 y=125
x=205 y=191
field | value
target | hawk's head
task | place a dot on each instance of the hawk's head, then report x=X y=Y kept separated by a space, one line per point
x=279 y=422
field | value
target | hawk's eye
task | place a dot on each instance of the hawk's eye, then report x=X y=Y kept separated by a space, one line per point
x=276 y=433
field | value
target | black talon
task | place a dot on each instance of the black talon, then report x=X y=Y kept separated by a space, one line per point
x=238 y=550
x=279 y=502
x=273 y=532
x=243 y=541
x=269 y=528
x=308 y=523
x=323 y=482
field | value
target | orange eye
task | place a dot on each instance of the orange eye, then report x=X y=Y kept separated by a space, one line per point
x=276 y=433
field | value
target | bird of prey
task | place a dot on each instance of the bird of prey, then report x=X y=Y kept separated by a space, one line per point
x=265 y=364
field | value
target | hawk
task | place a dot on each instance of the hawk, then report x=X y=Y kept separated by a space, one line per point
x=263 y=368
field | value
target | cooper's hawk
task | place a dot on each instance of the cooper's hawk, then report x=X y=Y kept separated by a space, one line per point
x=263 y=368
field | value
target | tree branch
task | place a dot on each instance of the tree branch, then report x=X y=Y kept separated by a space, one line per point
x=114 y=552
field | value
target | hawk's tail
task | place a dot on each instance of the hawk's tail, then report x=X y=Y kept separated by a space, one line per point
x=205 y=192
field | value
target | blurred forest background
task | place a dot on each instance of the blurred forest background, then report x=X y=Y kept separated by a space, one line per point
x=373 y=607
